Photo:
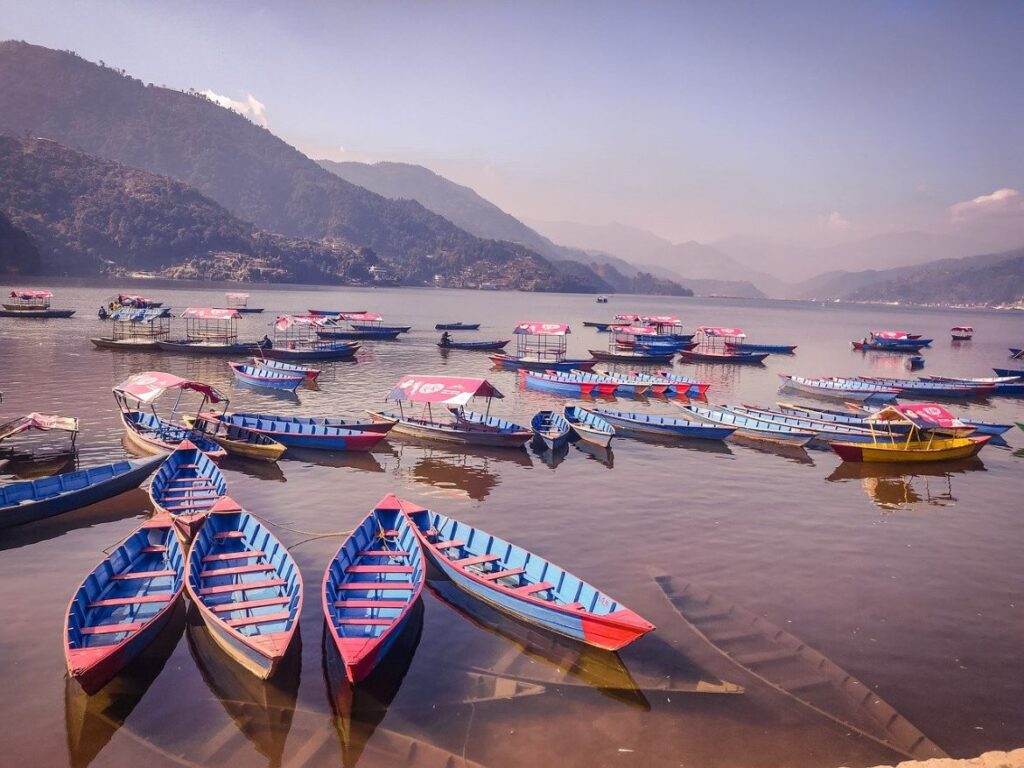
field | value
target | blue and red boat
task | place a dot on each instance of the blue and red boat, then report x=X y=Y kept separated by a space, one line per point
x=317 y=434
x=264 y=362
x=1000 y=385
x=122 y=604
x=269 y=378
x=684 y=386
x=186 y=488
x=540 y=347
x=524 y=585
x=371 y=586
x=247 y=588
x=570 y=386
x=718 y=344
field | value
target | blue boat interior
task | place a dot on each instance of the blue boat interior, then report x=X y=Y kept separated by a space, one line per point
x=579 y=416
x=646 y=418
x=485 y=422
x=127 y=589
x=314 y=421
x=244 y=575
x=187 y=483
x=155 y=428
x=13 y=494
x=274 y=426
x=741 y=421
x=375 y=575
x=509 y=568
x=261 y=372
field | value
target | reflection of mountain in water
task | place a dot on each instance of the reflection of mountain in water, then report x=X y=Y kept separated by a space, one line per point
x=892 y=487
x=92 y=721
x=473 y=474
x=261 y=709
x=359 y=709
x=565 y=662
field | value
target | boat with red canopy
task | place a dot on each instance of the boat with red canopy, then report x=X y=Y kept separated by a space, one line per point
x=149 y=432
x=718 y=345
x=460 y=426
x=296 y=337
x=212 y=331
x=962 y=333
x=541 y=347
x=31 y=302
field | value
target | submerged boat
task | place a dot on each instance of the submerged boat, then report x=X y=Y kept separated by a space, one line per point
x=922 y=443
x=550 y=428
x=122 y=604
x=457 y=327
x=269 y=378
x=659 y=425
x=186 y=488
x=588 y=426
x=522 y=584
x=29 y=500
x=246 y=586
x=751 y=426
x=371 y=586
x=845 y=389
x=318 y=434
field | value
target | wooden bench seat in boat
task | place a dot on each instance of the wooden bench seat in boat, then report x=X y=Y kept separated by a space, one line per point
x=242 y=586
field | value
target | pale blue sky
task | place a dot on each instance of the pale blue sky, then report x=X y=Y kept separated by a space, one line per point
x=809 y=122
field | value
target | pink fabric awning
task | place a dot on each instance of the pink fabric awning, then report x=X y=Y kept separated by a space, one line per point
x=237 y=295
x=922 y=415
x=284 y=322
x=25 y=293
x=366 y=317
x=449 y=390
x=40 y=421
x=149 y=385
x=661 y=319
x=890 y=334
x=627 y=317
x=542 y=329
x=635 y=330
x=211 y=313
x=714 y=330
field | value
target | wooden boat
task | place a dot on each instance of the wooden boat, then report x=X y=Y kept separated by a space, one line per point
x=236 y=440
x=865 y=345
x=683 y=386
x=513 y=363
x=791 y=667
x=914 y=362
x=267 y=377
x=148 y=433
x=186 y=489
x=588 y=426
x=318 y=434
x=962 y=333
x=359 y=334
x=846 y=389
x=522 y=584
x=925 y=388
x=1006 y=372
x=573 y=386
x=600 y=327
x=750 y=426
x=371 y=586
x=824 y=430
x=239 y=302
x=457 y=327
x=246 y=586
x=136 y=329
x=899 y=337
x=634 y=383
x=32 y=304
x=264 y=362
x=652 y=357
x=772 y=349
x=480 y=345
x=1000 y=385
x=660 y=425
x=332 y=313
x=29 y=500
x=211 y=347
x=122 y=604
x=550 y=428
x=313 y=350
x=356 y=425
x=724 y=356
x=922 y=442
x=856 y=417
x=970 y=426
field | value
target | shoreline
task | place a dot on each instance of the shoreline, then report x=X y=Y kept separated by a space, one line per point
x=1012 y=759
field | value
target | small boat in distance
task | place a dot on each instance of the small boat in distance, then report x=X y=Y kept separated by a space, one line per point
x=483 y=346
x=247 y=588
x=588 y=426
x=29 y=500
x=240 y=303
x=371 y=586
x=550 y=428
x=602 y=300
x=457 y=327
x=32 y=303
x=523 y=584
x=962 y=332
x=122 y=604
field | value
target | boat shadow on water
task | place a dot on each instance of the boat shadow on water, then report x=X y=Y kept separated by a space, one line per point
x=549 y=457
x=897 y=486
x=461 y=471
x=92 y=721
x=261 y=710
x=270 y=471
x=595 y=452
x=364 y=460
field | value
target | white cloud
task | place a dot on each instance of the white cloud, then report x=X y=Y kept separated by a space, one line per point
x=250 y=107
x=835 y=221
x=1004 y=203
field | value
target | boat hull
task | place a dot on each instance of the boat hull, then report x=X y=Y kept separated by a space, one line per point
x=772 y=349
x=321 y=437
x=478 y=345
x=359 y=335
x=589 y=427
x=516 y=363
x=200 y=348
x=447 y=433
x=274 y=379
x=879 y=394
x=638 y=358
x=325 y=352
x=39 y=314
x=20 y=512
x=738 y=358
x=151 y=444
x=132 y=346
x=635 y=423
x=752 y=428
x=457 y=327
x=899 y=453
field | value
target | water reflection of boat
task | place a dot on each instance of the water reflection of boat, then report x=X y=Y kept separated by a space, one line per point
x=550 y=457
x=785 y=663
x=599 y=454
x=466 y=472
x=563 y=661
x=261 y=709
x=32 y=466
x=259 y=470
x=363 y=460
x=92 y=721
x=893 y=486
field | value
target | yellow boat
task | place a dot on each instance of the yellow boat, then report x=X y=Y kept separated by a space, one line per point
x=239 y=441
x=932 y=437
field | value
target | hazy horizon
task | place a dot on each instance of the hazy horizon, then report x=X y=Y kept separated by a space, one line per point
x=795 y=124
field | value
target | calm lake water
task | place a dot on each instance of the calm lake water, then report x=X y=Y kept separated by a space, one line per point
x=914 y=583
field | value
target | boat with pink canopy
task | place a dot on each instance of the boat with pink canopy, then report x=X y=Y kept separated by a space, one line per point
x=541 y=346
x=149 y=432
x=240 y=303
x=718 y=345
x=296 y=338
x=212 y=331
x=461 y=426
x=637 y=344
x=32 y=302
